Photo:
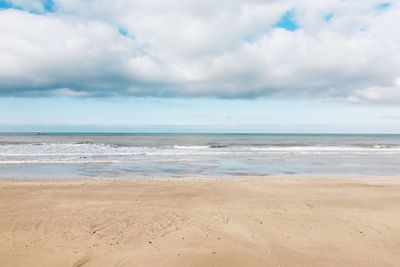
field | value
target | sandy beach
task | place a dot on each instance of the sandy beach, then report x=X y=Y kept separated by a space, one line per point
x=195 y=222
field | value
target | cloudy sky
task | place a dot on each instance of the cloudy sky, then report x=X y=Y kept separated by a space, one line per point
x=189 y=65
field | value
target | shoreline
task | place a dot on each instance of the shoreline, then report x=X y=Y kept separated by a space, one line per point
x=239 y=221
x=251 y=178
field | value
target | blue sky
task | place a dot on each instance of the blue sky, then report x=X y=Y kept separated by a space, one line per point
x=250 y=66
x=193 y=115
x=287 y=21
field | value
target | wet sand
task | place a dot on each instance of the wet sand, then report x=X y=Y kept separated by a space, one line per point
x=194 y=222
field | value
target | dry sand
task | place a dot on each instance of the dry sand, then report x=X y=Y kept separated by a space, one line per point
x=241 y=222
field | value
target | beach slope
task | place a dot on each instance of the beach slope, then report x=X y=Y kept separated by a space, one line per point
x=194 y=222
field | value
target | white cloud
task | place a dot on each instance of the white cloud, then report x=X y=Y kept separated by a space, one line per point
x=376 y=93
x=202 y=48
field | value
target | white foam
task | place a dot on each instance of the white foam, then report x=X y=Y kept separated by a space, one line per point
x=191 y=147
x=97 y=152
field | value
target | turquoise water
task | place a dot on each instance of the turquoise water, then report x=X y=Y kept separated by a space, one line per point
x=76 y=155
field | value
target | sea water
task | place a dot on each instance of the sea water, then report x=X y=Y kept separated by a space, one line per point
x=121 y=155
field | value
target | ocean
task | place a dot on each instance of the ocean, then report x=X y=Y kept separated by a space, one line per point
x=125 y=155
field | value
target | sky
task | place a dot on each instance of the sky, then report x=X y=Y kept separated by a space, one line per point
x=200 y=66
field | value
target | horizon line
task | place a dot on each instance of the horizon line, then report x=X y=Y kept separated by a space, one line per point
x=177 y=133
